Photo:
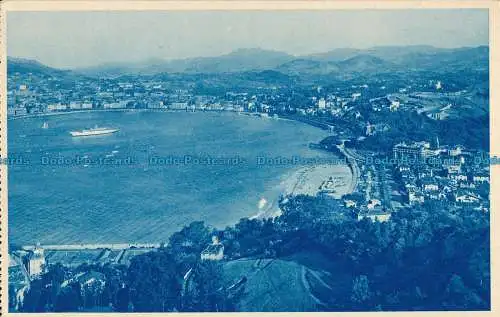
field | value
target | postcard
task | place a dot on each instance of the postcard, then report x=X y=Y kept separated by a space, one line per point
x=250 y=157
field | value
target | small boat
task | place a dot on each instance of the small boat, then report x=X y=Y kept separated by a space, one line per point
x=45 y=125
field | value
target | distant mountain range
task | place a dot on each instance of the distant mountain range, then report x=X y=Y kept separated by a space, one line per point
x=338 y=61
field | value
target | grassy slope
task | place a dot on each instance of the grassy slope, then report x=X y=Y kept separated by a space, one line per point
x=296 y=283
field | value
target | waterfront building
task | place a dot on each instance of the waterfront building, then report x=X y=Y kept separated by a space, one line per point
x=178 y=106
x=16 y=111
x=115 y=105
x=155 y=105
x=56 y=107
x=75 y=106
x=35 y=262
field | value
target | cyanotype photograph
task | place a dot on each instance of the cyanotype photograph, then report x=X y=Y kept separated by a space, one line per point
x=248 y=160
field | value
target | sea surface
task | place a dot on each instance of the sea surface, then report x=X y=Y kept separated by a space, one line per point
x=127 y=187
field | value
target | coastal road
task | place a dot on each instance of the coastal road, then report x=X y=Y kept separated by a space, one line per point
x=354 y=167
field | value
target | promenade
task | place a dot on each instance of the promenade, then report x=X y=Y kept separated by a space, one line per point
x=77 y=247
x=74 y=255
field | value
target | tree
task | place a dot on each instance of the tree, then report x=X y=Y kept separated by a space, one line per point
x=361 y=293
x=459 y=297
x=122 y=299
x=155 y=283
x=187 y=244
x=54 y=277
x=68 y=299
x=205 y=290
x=35 y=298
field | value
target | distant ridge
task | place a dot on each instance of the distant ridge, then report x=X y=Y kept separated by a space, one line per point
x=346 y=60
x=23 y=65
x=241 y=60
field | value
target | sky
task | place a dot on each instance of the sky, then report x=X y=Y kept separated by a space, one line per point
x=82 y=39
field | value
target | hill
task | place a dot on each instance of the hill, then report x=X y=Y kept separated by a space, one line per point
x=22 y=65
x=365 y=63
x=306 y=66
x=241 y=60
x=422 y=57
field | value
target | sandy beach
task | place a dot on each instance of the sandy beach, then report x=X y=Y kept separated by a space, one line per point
x=333 y=180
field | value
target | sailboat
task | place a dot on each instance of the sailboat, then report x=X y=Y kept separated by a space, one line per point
x=45 y=125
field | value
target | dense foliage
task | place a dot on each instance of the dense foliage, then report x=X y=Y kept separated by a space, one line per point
x=471 y=132
x=424 y=258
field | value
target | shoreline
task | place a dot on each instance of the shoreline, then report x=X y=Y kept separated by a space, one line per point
x=331 y=180
x=305 y=180
x=62 y=113
x=68 y=112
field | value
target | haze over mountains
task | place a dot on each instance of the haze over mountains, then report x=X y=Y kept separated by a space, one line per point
x=373 y=60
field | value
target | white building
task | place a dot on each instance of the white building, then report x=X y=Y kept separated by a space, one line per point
x=178 y=105
x=322 y=103
x=373 y=203
x=355 y=95
x=75 y=106
x=458 y=177
x=350 y=203
x=466 y=197
x=394 y=105
x=414 y=195
x=438 y=85
x=214 y=252
x=480 y=179
x=381 y=216
x=155 y=105
x=431 y=187
x=16 y=111
x=36 y=262
x=115 y=105
x=56 y=107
